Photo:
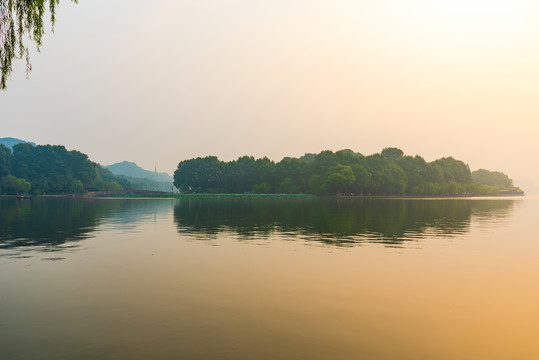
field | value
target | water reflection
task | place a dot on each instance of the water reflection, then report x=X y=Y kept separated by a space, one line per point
x=57 y=224
x=46 y=222
x=137 y=288
x=338 y=221
x=49 y=225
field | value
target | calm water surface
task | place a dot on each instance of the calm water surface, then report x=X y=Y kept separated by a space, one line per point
x=269 y=279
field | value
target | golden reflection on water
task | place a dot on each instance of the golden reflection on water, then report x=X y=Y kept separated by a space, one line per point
x=148 y=290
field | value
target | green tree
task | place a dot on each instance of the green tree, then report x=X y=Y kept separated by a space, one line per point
x=263 y=188
x=315 y=184
x=102 y=185
x=492 y=178
x=21 y=20
x=295 y=170
x=417 y=173
x=338 y=179
x=323 y=161
x=287 y=186
x=199 y=175
x=6 y=157
x=454 y=170
x=363 y=177
x=76 y=187
x=392 y=154
x=24 y=186
x=12 y=185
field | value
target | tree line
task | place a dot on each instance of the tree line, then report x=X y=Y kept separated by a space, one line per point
x=338 y=173
x=51 y=169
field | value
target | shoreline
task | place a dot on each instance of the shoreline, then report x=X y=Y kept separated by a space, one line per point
x=261 y=196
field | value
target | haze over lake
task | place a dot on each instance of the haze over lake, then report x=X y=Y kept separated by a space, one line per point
x=280 y=180
x=321 y=278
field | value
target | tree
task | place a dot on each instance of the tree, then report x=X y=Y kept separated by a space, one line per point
x=24 y=186
x=338 y=179
x=76 y=186
x=20 y=20
x=295 y=171
x=263 y=188
x=198 y=175
x=417 y=173
x=6 y=157
x=315 y=184
x=11 y=185
x=102 y=185
x=492 y=178
x=392 y=154
x=287 y=186
x=454 y=170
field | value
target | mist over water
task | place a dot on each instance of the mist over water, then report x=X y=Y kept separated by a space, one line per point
x=325 y=278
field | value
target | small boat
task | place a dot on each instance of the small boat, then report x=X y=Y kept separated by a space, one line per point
x=24 y=196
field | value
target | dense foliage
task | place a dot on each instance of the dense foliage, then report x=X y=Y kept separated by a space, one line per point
x=20 y=21
x=52 y=170
x=331 y=173
x=492 y=178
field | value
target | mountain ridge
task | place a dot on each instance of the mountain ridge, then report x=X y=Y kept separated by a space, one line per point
x=131 y=169
x=10 y=142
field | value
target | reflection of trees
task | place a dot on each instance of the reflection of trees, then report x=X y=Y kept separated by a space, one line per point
x=56 y=223
x=335 y=220
x=48 y=221
x=51 y=224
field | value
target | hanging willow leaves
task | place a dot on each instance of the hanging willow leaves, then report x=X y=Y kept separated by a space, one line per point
x=21 y=21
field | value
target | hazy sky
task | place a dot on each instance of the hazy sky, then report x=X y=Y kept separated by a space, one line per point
x=157 y=82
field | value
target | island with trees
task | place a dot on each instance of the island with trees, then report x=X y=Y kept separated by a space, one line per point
x=344 y=172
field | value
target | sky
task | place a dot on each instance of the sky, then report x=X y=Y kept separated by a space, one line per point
x=157 y=82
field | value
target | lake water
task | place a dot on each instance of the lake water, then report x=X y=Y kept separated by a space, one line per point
x=269 y=279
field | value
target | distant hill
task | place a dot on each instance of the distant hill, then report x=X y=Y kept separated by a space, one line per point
x=10 y=142
x=131 y=169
